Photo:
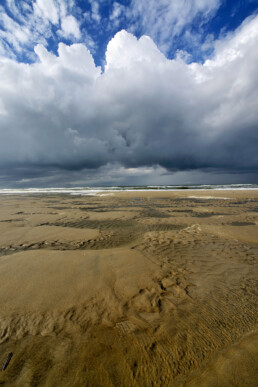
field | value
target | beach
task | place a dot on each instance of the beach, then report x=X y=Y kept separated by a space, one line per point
x=150 y=288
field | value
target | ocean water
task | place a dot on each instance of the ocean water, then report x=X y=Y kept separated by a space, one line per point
x=107 y=190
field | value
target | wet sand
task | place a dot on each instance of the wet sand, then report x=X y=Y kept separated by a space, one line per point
x=129 y=289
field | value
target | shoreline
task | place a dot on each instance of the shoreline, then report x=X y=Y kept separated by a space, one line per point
x=87 y=191
x=71 y=194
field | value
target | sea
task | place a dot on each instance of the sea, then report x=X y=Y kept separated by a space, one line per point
x=86 y=191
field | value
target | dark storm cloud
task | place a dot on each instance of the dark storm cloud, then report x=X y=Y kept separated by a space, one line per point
x=62 y=114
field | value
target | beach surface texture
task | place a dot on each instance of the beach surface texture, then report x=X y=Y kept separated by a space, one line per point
x=129 y=289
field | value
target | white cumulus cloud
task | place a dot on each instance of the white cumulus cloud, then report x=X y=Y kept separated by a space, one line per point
x=143 y=111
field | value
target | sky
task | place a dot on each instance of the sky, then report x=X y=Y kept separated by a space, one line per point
x=128 y=92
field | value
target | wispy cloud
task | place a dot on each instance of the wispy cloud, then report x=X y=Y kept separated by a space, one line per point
x=165 y=19
x=33 y=22
x=95 y=10
x=70 y=27
x=47 y=9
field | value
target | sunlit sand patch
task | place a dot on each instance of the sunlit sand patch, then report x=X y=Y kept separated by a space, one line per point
x=208 y=197
x=105 y=194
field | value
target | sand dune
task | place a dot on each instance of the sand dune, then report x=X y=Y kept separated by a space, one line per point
x=134 y=289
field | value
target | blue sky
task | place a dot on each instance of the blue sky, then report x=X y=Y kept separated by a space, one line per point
x=128 y=92
x=174 y=26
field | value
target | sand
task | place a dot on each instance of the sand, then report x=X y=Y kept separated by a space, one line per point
x=130 y=289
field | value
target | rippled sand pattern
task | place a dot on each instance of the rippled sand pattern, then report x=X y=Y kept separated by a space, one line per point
x=139 y=289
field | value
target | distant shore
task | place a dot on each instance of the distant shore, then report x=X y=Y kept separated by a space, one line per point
x=84 y=191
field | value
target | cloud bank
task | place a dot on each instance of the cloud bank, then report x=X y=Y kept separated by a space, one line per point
x=63 y=113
